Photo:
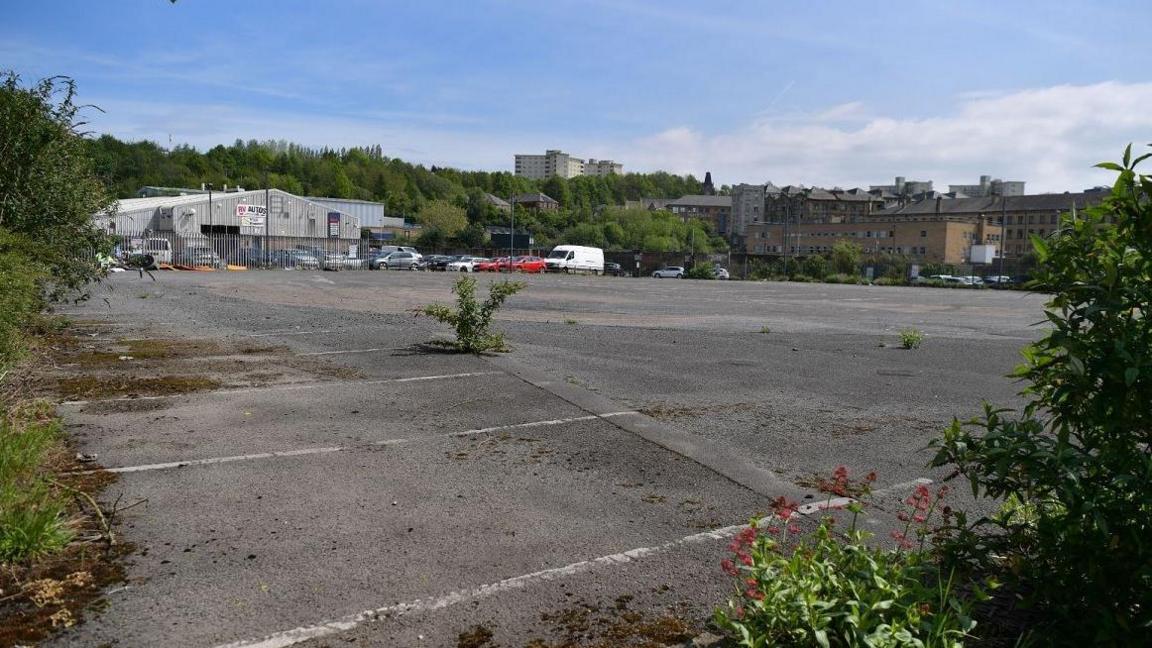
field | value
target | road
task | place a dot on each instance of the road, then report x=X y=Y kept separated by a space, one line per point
x=340 y=482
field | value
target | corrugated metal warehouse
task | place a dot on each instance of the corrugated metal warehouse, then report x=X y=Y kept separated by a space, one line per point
x=240 y=213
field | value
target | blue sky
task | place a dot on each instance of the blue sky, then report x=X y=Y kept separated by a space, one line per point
x=829 y=93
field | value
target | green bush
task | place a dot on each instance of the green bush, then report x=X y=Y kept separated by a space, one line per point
x=890 y=281
x=813 y=266
x=32 y=514
x=911 y=338
x=702 y=270
x=1075 y=465
x=20 y=298
x=845 y=279
x=845 y=258
x=471 y=319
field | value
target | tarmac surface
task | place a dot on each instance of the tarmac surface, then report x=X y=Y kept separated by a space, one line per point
x=583 y=484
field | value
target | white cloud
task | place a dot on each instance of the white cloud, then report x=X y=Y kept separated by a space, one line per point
x=1049 y=137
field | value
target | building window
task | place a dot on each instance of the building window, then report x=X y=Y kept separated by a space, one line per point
x=923 y=233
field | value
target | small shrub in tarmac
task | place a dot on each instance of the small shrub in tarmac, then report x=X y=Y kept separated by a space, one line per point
x=911 y=338
x=471 y=319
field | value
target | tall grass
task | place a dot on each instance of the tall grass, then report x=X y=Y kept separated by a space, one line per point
x=32 y=514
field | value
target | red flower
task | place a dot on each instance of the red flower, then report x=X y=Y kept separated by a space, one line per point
x=740 y=612
x=747 y=536
x=870 y=477
x=755 y=594
x=840 y=474
x=729 y=567
x=744 y=558
x=792 y=528
x=773 y=530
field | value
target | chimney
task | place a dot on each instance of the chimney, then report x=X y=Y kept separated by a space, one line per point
x=938 y=199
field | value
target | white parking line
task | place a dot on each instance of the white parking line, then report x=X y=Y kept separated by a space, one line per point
x=326 y=450
x=256 y=335
x=312 y=385
x=325 y=628
x=326 y=353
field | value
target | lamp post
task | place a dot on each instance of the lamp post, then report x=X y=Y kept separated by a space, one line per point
x=211 y=222
x=511 y=231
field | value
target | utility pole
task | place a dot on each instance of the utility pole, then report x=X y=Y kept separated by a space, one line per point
x=512 y=232
x=1003 y=235
x=211 y=220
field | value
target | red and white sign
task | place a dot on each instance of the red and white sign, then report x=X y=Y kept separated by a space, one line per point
x=251 y=215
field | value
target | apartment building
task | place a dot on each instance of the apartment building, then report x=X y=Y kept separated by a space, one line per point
x=1021 y=216
x=558 y=163
x=989 y=187
x=936 y=230
x=903 y=187
x=717 y=210
x=947 y=239
x=602 y=168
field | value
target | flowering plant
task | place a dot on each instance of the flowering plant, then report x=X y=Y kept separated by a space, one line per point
x=828 y=589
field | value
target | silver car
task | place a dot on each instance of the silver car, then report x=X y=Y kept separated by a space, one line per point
x=670 y=272
x=400 y=261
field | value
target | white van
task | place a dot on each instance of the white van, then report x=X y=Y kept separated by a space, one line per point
x=575 y=258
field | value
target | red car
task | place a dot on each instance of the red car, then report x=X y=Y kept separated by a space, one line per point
x=488 y=265
x=528 y=264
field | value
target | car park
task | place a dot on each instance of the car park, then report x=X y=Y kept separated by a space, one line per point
x=669 y=272
x=530 y=264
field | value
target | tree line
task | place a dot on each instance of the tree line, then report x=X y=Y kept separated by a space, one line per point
x=450 y=202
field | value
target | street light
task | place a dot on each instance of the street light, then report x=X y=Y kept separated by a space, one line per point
x=210 y=215
x=511 y=231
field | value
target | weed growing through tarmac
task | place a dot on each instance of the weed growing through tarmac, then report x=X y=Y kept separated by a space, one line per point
x=765 y=330
x=830 y=587
x=911 y=338
x=471 y=319
x=571 y=322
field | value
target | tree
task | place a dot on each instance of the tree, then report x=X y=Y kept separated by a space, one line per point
x=444 y=216
x=846 y=258
x=1074 y=468
x=48 y=188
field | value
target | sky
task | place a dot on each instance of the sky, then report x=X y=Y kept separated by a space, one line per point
x=829 y=93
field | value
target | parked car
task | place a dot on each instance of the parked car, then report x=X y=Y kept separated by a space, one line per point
x=464 y=264
x=202 y=256
x=400 y=261
x=999 y=280
x=337 y=261
x=437 y=262
x=531 y=264
x=487 y=265
x=293 y=259
x=720 y=273
x=669 y=272
x=613 y=269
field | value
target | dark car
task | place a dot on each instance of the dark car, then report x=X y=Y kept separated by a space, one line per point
x=438 y=262
x=613 y=269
